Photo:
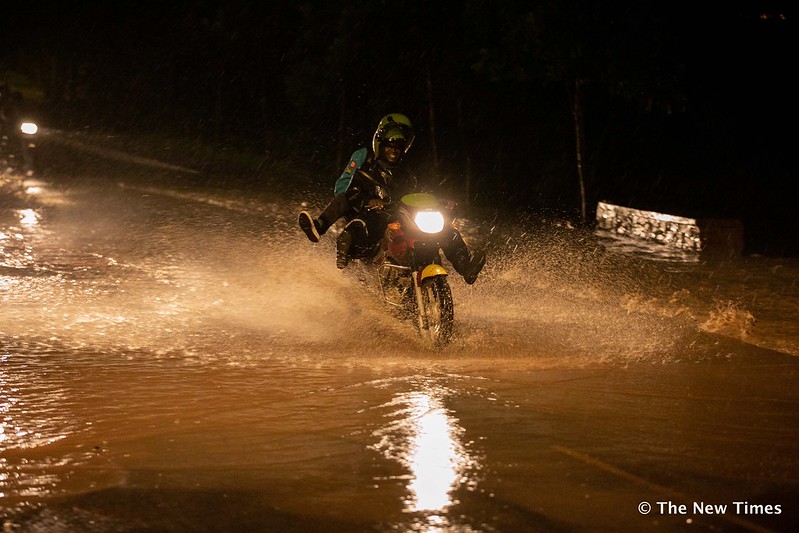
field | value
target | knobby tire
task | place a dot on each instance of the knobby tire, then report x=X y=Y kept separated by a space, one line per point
x=437 y=298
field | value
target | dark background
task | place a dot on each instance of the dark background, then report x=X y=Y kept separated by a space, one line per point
x=685 y=108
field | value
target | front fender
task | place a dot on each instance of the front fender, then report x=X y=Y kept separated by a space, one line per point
x=431 y=271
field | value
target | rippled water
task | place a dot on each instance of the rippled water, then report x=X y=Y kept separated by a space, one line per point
x=178 y=361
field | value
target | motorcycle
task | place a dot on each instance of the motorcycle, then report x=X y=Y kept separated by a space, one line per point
x=17 y=146
x=410 y=274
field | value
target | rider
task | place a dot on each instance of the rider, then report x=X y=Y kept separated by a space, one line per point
x=361 y=196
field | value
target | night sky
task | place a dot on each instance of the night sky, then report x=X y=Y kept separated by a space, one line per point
x=684 y=109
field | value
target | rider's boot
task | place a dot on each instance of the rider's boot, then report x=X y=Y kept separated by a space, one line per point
x=354 y=231
x=469 y=265
x=310 y=226
x=343 y=243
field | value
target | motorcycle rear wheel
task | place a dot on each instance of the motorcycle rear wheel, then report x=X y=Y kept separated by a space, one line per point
x=439 y=315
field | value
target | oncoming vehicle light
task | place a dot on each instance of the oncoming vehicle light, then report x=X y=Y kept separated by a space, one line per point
x=429 y=221
x=29 y=128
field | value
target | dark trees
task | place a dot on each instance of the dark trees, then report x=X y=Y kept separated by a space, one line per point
x=545 y=104
x=610 y=50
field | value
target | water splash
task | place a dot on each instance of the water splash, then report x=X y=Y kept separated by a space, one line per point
x=730 y=319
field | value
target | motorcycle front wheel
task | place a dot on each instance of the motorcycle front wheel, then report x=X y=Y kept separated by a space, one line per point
x=439 y=314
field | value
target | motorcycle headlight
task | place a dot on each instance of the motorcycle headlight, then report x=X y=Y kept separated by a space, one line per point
x=28 y=128
x=429 y=221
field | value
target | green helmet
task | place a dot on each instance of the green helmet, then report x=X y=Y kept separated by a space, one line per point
x=393 y=127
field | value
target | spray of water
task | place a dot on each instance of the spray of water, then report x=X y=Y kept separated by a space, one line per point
x=234 y=280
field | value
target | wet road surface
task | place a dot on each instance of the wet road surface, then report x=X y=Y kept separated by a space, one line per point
x=172 y=362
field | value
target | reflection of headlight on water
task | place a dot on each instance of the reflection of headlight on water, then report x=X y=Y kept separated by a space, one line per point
x=433 y=456
x=28 y=128
x=28 y=217
x=34 y=186
x=427 y=440
x=429 y=221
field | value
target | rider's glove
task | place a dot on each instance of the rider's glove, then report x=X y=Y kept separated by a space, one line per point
x=375 y=203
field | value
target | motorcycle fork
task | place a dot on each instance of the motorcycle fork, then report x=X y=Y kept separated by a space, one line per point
x=424 y=254
x=421 y=308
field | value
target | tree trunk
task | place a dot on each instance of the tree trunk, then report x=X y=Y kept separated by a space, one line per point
x=342 y=121
x=579 y=137
x=467 y=168
x=432 y=117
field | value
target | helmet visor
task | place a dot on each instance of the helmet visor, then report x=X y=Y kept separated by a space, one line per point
x=395 y=138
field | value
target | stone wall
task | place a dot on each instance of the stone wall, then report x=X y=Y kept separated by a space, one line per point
x=709 y=236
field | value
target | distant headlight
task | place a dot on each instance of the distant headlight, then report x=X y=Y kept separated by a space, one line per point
x=28 y=128
x=429 y=221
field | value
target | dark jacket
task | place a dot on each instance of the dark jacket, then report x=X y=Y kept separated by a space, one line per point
x=366 y=182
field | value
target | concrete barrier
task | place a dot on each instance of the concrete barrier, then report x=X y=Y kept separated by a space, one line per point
x=715 y=237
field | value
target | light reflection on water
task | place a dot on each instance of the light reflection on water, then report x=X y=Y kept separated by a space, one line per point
x=35 y=423
x=29 y=217
x=150 y=325
x=427 y=440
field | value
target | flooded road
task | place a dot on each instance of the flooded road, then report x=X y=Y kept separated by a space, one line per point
x=174 y=362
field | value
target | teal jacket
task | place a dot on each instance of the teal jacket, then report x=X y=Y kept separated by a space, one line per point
x=357 y=160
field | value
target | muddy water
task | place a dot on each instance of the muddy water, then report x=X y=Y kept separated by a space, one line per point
x=174 y=362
